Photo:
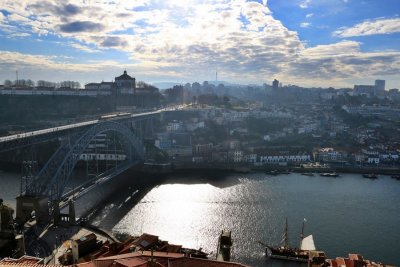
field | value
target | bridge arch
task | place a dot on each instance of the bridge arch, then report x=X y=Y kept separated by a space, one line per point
x=52 y=178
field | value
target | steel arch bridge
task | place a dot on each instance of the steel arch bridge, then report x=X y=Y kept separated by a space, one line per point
x=53 y=177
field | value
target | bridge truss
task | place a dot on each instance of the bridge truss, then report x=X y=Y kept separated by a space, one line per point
x=52 y=179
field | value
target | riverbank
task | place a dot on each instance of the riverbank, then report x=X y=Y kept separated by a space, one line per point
x=221 y=168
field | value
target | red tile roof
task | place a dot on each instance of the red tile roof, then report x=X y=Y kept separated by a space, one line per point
x=145 y=241
x=135 y=262
x=340 y=261
x=24 y=259
x=194 y=262
x=356 y=257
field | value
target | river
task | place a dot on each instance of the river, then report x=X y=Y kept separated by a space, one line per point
x=344 y=214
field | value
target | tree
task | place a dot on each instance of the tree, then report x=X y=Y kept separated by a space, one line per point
x=30 y=83
x=42 y=83
x=20 y=82
x=8 y=83
x=142 y=84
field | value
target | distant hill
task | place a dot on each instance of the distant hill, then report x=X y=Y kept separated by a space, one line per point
x=166 y=85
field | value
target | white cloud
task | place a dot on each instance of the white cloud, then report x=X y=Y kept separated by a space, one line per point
x=305 y=3
x=84 y=48
x=177 y=40
x=305 y=24
x=337 y=49
x=370 y=27
x=341 y=61
x=309 y=15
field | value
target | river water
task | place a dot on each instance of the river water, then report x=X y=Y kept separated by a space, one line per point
x=344 y=214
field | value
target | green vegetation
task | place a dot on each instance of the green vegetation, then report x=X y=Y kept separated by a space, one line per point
x=26 y=109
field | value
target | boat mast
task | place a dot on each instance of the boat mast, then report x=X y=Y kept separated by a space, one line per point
x=286 y=237
x=302 y=232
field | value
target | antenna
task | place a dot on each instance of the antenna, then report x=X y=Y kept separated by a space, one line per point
x=16 y=74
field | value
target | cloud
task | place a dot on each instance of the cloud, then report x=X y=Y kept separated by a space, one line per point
x=81 y=26
x=113 y=41
x=305 y=24
x=72 y=9
x=343 y=60
x=186 y=41
x=305 y=3
x=370 y=27
x=49 y=7
x=84 y=48
x=58 y=68
x=309 y=15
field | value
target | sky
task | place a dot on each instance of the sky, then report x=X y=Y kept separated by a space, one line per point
x=324 y=43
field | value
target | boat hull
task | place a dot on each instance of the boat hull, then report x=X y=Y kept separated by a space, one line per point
x=288 y=258
x=287 y=254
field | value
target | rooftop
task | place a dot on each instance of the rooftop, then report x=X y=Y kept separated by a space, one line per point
x=124 y=76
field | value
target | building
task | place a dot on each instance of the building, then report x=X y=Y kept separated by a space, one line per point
x=379 y=85
x=371 y=90
x=328 y=154
x=365 y=89
x=175 y=126
x=125 y=84
x=275 y=84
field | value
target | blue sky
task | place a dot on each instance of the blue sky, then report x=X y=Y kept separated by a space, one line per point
x=306 y=42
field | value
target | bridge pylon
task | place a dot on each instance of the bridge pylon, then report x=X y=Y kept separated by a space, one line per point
x=26 y=205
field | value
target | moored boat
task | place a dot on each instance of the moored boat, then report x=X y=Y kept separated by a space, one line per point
x=285 y=252
x=224 y=246
x=396 y=176
x=307 y=173
x=273 y=172
x=370 y=175
x=329 y=174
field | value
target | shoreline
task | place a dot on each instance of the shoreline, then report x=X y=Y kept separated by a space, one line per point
x=218 y=169
x=229 y=168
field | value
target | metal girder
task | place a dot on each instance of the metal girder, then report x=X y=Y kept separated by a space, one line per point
x=21 y=140
x=29 y=139
x=53 y=177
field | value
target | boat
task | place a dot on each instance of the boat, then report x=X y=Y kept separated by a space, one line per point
x=273 y=172
x=224 y=246
x=370 y=175
x=329 y=174
x=307 y=173
x=396 y=176
x=285 y=252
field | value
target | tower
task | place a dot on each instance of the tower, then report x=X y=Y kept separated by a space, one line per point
x=380 y=85
x=275 y=84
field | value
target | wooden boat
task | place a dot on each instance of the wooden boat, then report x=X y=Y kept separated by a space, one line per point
x=285 y=252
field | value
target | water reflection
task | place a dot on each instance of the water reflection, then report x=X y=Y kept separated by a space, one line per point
x=342 y=214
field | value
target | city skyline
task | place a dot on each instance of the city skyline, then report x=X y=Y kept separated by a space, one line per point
x=310 y=43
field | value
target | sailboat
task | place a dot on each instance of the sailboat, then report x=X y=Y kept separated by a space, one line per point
x=285 y=252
